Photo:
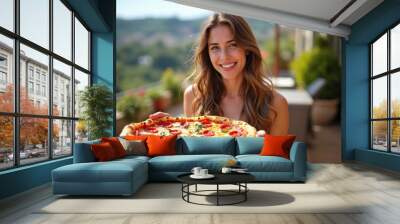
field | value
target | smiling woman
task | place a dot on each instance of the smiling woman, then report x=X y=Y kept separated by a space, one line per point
x=229 y=79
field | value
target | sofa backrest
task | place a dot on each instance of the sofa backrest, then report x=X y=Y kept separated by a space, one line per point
x=200 y=145
x=249 y=145
x=83 y=152
x=190 y=146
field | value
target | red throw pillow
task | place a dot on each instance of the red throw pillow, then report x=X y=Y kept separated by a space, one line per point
x=116 y=145
x=161 y=145
x=277 y=145
x=103 y=151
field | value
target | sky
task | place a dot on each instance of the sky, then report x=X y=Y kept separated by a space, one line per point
x=135 y=9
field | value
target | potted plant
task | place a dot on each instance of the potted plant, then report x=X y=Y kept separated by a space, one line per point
x=133 y=107
x=173 y=83
x=161 y=98
x=320 y=62
x=96 y=102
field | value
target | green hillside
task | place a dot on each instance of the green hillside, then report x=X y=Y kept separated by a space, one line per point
x=146 y=47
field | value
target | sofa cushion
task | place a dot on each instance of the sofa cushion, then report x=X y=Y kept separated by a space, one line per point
x=206 y=145
x=111 y=171
x=249 y=145
x=185 y=163
x=257 y=163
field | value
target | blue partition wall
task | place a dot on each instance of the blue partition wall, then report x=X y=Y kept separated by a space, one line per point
x=100 y=16
x=355 y=92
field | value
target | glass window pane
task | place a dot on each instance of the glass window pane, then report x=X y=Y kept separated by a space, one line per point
x=395 y=136
x=6 y=142
x=379 y=56
x=33 y=140
x=379 y=135
x=62 y=89
x=35 y=21
x=62 y=138
x=395 y=47
x=81 y=45
x=62 y=29
x=34 y=97
x=6 y=74
x=81 y=81
x=81 y=131
x=395 y=94
x=379 y=97
x=7 y=14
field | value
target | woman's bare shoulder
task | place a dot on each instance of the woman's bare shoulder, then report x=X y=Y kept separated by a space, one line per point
x=190 y=92
x=188 y=98
x=278 y=100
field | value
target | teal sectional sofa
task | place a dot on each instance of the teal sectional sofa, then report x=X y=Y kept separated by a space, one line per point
x=125 y=176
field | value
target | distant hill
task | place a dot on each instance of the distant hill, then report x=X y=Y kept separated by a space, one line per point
x=172 y=31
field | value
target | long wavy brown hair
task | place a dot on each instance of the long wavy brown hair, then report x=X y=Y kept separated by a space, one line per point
x=256 y=89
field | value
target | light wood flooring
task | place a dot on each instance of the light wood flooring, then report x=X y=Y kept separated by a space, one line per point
x=354 y=182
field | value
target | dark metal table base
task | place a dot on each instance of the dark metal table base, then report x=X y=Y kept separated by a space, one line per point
x=242 y=190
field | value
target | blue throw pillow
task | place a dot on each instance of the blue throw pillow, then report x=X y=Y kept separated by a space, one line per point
x=249 y=145
x=206 y=145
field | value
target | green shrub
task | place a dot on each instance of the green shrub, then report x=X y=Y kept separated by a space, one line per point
x=133 y=107
x=172 y=83
x=318 y=63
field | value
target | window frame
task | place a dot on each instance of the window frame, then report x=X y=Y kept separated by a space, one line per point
x=388 y=74
x=16 y=115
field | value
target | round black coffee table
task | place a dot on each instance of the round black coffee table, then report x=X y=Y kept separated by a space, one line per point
x=238 y=179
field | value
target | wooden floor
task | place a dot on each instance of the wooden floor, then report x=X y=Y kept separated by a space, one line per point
x=378 y=189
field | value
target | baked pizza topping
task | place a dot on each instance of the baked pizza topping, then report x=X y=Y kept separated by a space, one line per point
x=191 y=126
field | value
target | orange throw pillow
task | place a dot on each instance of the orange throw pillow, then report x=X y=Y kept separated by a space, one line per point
x=277 y=145
x=161 y=145
x=135 y=137
x=116 y=145
x=103 y=151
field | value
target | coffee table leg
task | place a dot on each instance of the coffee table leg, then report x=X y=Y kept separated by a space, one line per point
x=196 y=188
x=245 y=191
x=217 y=194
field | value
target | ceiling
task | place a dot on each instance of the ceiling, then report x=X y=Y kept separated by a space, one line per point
x=334 y=17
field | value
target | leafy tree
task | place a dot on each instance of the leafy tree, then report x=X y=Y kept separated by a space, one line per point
x=33 y=131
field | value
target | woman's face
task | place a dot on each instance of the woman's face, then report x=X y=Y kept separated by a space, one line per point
x=226 y=56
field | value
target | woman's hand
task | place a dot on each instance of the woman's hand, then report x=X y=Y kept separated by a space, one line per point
x=158 y=115
x=260 y=133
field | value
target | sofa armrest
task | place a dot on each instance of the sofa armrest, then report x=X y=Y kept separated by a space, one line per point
x=298 y=155
x=83 y=152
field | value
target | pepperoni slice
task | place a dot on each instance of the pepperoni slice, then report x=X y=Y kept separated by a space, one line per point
x=208 y=133
x=207 y=125
x=152 y=129
x=225 y=126
x=175 y=131
x=166 y=124
x=234 y=133
x=205 y=121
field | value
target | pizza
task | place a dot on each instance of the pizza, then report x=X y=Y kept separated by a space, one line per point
x=211 y=126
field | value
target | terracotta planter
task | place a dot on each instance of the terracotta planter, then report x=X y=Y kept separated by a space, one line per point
x=323 y=112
